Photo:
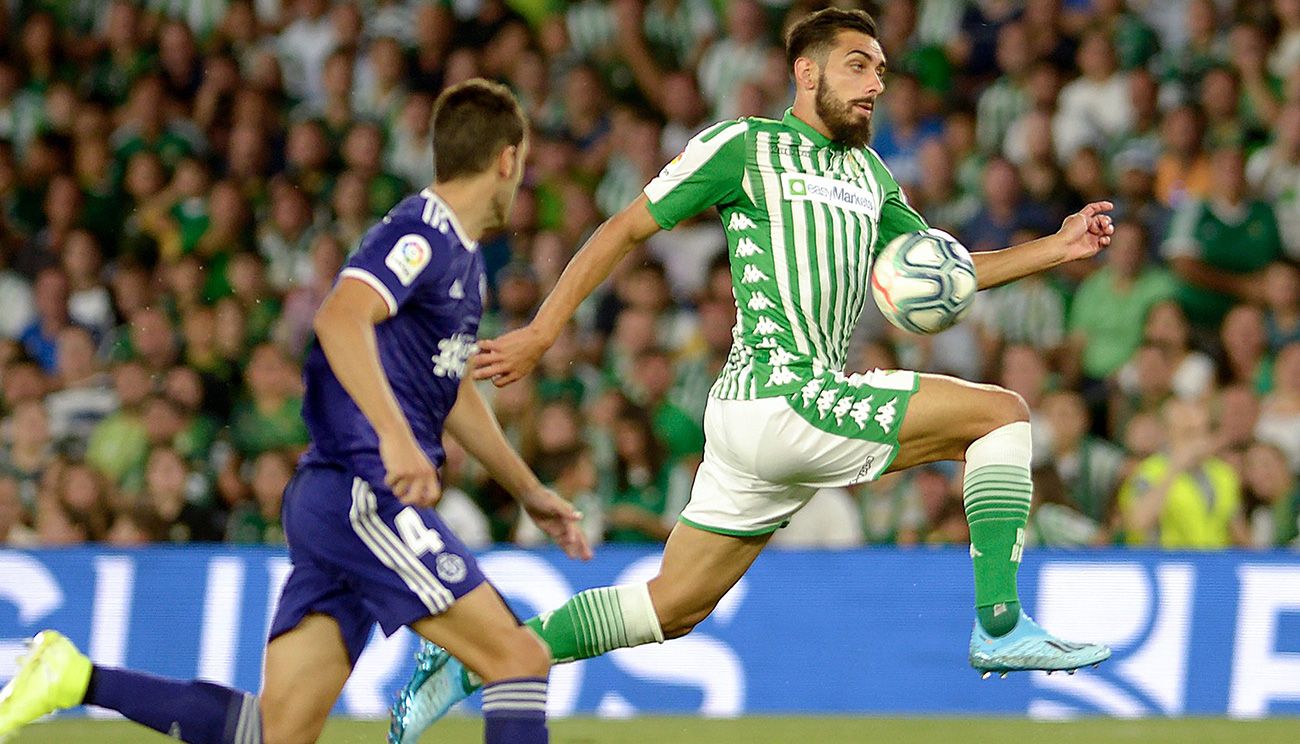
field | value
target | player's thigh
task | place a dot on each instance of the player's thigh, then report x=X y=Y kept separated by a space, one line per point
x=486 y=636
x=305 y=671
x=947 y=414
x=698 y=569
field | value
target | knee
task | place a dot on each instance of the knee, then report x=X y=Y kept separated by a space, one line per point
x=997 y=408
x=520 y=654
x=1006 y=407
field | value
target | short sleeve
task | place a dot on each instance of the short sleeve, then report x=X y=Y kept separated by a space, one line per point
x=897 y=217
x=709 y=172
x=394 y=260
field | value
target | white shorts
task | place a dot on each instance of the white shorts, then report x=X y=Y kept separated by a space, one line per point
x=763 y=461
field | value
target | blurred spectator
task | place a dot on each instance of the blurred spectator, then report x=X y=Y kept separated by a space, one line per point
x=1191 y=372
x=1094 y=108
x=1029 y=312
x=16 y=306
x=164 y=491
x=118 y=444
x=1006 y=99
x=89 y=303
x=1271 y=499
x=40 y=338
x=1075 y=488
x=678 y=431
x=26 y=449
x=1282 y=304
x=735 y=58
x=1236 y=413
x=86 y=496
x=1183 y=172
x=15 y=532
x=1111 y=306
x=637 y=508
x=257 y=522
x=1274 y=173
x=574 y=480
x=1245 y=348
x=269 y=416
x=1279 y=411
x=903 y=129
x=1183 y=497
x=83 y=393
x=1218 y=246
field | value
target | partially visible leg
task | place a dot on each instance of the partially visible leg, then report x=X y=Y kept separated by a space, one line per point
x=698 y=569
x=305 y=670
x=988 y=428
x=482 y=632
x=55 y=676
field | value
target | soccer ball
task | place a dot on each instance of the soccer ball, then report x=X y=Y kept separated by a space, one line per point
x=924 y=281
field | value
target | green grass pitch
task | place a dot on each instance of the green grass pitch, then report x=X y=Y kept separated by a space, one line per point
x=762 y=730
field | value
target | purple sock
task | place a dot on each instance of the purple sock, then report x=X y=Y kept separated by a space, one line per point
x=192 y=711
x=514 y=711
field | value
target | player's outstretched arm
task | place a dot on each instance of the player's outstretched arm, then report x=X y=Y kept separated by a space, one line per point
x=472 y=423
x=345 y=327
x=512 y=356
x=1082 y=235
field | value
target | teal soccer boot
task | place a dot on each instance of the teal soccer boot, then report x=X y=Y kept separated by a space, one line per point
x=438 y=684
x=1028 y=647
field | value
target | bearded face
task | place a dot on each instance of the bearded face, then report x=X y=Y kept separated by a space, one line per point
x=847 y=120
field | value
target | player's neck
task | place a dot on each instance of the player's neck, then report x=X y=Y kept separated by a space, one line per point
x=470 y=199
x=805 y=110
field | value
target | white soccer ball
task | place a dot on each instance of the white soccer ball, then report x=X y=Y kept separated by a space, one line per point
x=924 y=281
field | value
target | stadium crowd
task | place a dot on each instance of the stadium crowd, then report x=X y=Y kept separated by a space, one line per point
x=180 y=180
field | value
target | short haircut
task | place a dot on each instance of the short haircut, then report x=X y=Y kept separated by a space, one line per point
x=472 y=122
x=815 y=33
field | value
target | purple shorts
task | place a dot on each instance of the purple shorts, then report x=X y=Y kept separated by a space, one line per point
x=360 y=556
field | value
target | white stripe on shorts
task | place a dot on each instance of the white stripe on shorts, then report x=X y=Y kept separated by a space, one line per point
x=394 y=553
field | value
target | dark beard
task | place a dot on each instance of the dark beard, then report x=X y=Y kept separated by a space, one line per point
x=839 y=117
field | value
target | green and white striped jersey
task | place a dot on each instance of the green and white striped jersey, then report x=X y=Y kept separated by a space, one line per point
x=804 y=217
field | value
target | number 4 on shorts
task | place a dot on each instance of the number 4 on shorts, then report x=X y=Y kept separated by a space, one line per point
x=418 y=537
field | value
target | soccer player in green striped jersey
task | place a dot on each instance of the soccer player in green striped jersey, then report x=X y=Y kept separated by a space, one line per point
x=805 y=204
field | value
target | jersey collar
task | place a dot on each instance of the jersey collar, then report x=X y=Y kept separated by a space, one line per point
x=802 y=127
x=465 y=240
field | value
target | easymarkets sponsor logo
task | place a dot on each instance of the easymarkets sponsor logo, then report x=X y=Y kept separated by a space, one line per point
x=802 y=187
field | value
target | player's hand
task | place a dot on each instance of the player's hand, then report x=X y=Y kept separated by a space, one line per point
x=409 y=472
x=1087 y=231
x=510 y=357
x=558 y=519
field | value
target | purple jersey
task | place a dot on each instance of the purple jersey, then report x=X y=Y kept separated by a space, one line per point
x=430 y=274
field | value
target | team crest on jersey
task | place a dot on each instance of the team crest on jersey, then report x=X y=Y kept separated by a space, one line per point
x=410 y=254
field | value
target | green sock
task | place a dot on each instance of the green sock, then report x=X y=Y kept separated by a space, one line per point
x=997 y=507
x=594 y=622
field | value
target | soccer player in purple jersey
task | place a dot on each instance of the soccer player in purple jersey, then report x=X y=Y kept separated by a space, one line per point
x=386 y=377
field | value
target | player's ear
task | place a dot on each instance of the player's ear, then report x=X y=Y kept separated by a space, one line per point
x=506 y=160
x=805 y=73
